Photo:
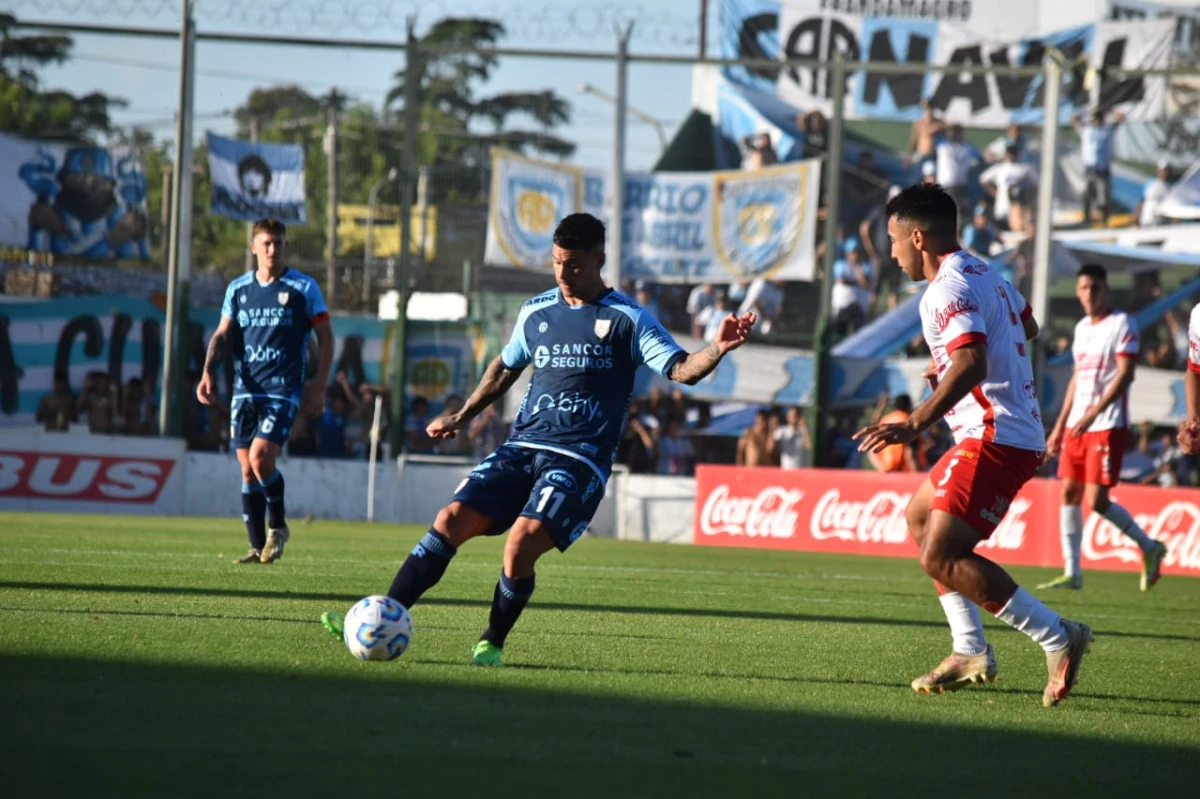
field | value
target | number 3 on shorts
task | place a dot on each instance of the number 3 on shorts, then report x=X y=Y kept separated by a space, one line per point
x=552 y=498
x=949 y=468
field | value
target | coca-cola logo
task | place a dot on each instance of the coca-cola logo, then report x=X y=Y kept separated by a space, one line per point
x=94 y=478
x=880 y=519
x=1176 y=524
x=769 y=514
x=943 y=316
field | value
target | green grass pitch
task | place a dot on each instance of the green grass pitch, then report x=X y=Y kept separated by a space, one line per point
x=137 y=661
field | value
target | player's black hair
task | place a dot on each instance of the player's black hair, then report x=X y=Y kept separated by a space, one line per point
x=903 y=402
x=580 y=232
x=1095 y=272
x=928 y=206
x=254 y=163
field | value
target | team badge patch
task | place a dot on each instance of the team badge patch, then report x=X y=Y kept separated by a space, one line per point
x=283 y=298
x=602 y=327
x=242 y=298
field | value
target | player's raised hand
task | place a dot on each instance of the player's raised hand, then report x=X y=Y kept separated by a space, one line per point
x=206 y=392
x=875 y=437
x=734 y=331
x=445 y=427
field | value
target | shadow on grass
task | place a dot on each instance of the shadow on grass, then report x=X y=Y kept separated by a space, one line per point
x=349 y=599
x=136 y=729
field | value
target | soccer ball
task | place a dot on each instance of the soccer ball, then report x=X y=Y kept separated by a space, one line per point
x=377 y=628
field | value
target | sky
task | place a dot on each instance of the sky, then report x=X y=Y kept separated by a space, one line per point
x=145 y=71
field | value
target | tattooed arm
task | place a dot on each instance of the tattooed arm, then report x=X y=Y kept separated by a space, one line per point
x=497 y=380
x=218 y=346
x=698 y=365
x=734 y=332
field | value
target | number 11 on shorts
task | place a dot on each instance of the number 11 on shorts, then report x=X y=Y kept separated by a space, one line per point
x=552 y=498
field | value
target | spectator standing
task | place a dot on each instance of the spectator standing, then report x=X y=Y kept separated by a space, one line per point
x=417 y=440
x=701 y=298
x=56 y=411
x=793 y=441
x=1007 y=183
x=1153 y=195
x=97 y=403
x=956 y=162
x=979 y=235
x=756 y=446
x=487 y=431
x=1096 y=147
x=922 y=141
x=675 y=453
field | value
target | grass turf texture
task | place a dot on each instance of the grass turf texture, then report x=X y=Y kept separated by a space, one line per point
x=136 y=660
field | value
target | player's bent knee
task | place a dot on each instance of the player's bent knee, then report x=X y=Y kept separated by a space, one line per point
x=526 y=543
x=460 y=523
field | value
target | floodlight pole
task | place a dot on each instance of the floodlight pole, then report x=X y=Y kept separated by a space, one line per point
x=616 y=226
x=179 y=264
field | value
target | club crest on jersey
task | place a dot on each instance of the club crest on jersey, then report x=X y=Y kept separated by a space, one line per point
x=283 y=297
x=242 y=298
x=602 y=327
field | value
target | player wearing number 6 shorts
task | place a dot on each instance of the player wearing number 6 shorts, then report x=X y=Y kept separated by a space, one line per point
x=265 y=324
x=976 y=327
x=585 y=342
x=1093 y=428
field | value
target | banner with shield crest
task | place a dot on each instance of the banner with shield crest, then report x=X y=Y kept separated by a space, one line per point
x=680 y=227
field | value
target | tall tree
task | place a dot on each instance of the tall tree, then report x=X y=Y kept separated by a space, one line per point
x=446 y=90
x=27 y=110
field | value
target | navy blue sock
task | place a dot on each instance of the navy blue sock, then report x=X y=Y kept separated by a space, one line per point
x=422 y=569
x=273 y=490
x=254 y=512
x=508 y=601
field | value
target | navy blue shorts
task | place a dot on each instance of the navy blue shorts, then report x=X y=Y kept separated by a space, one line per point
x=558 y=490
x=260 y=417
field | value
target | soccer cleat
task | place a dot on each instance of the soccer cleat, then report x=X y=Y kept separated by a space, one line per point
x=1066 y=581
x=253 y=556
x=956 y=671
x=334 y=622
x=1062 y=665
x=1152 y=565
x=273 y=551
x=486 y=653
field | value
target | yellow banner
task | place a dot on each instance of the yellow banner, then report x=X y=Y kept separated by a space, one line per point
x=352 y=230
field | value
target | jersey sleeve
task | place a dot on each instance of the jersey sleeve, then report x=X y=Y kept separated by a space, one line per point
x=653 y=345
x=516 y=354
x=1020 y=304
x=1128 y=339
x=227 y=305
x=955 y=315
x=318 y=312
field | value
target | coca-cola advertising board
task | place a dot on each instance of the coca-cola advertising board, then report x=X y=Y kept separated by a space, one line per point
x=72 y=473
x=862 y=513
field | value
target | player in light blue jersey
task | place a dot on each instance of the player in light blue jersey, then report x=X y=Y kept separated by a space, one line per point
x=585 y=342
x=266 y=320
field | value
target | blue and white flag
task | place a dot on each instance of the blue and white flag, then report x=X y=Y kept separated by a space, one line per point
x=254 y=181
x=679 y=227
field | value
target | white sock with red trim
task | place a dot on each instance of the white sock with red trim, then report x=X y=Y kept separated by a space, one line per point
x=1070 y=525
x=1125 y=523
x=1026 y=613
x=966 y=627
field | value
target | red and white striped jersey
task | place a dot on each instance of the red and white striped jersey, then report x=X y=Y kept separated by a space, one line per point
x=1194 y=340
x=1097 y=346
x=967 y=303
